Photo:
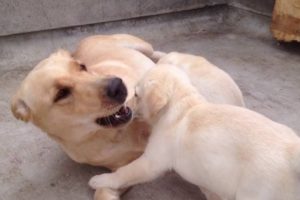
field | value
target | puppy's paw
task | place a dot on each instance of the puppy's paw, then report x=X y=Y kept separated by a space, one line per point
x=106 y=194
x=102 y=181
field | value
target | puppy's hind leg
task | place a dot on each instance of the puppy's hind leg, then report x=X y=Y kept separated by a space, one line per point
x=141 y=170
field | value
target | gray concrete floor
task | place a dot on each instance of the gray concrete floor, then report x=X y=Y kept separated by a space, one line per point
x=33 y=167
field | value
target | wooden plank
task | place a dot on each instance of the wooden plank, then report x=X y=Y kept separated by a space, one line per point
x=286 y=20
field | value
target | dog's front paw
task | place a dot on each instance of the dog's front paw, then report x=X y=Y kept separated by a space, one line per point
x=102 y=181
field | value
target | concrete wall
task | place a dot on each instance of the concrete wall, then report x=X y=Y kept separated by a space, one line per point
x=20 y=16
x=260 y=6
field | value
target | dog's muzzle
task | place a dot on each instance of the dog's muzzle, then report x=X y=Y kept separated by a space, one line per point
x=122 y=116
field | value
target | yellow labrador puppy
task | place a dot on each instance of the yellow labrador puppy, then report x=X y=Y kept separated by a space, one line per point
x=230 y=151
x=84 y=101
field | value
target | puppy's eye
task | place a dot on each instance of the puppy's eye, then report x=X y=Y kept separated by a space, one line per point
x=83 y=67
x=62 y=94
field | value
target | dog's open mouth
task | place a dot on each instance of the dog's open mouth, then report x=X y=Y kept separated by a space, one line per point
x=122 y=116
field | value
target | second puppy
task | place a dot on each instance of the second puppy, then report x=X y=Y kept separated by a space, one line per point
x=231 y=152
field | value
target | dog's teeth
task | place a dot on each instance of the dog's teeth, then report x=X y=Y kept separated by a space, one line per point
x=117 y=116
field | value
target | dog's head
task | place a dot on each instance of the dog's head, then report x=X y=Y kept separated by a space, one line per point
x=157 y=90
x=162 y=87
x=61 y=95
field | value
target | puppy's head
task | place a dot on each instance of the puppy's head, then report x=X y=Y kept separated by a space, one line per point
x=161 y=88
x=61 y=95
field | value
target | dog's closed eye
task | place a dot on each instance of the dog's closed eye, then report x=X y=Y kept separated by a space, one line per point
x=62 y=94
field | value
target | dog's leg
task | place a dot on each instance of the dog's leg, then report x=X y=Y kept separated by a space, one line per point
x=156 y=160
x=209 y=195
x=106 y=194
x=141 y=170
x=261 y=195
x=259 y=191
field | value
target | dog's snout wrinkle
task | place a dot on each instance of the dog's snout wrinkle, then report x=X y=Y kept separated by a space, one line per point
x=116 y=90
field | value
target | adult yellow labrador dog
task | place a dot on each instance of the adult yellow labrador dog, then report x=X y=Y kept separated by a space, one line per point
x=84 y=101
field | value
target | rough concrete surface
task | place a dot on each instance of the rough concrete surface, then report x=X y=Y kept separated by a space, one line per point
x=34 y=167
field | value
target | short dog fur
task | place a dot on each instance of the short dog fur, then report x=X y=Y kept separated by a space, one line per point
x=81 y=77
x=231 y=152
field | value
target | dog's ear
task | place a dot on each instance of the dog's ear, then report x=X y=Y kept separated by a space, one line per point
x=20 y=109
x=61 y=53
x=157 y=102
x=157 y=99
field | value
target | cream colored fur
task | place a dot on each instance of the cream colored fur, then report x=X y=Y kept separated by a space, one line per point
x=120 y=55
x=231 y=152
x=219 y=86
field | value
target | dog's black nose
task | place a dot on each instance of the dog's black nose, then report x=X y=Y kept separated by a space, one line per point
x=116 y=90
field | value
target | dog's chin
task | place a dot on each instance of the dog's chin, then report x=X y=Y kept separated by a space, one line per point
x=117 y=119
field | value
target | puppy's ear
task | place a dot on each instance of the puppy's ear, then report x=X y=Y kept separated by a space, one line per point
x=20 y=109
x=157 y=99
x=157 y=102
